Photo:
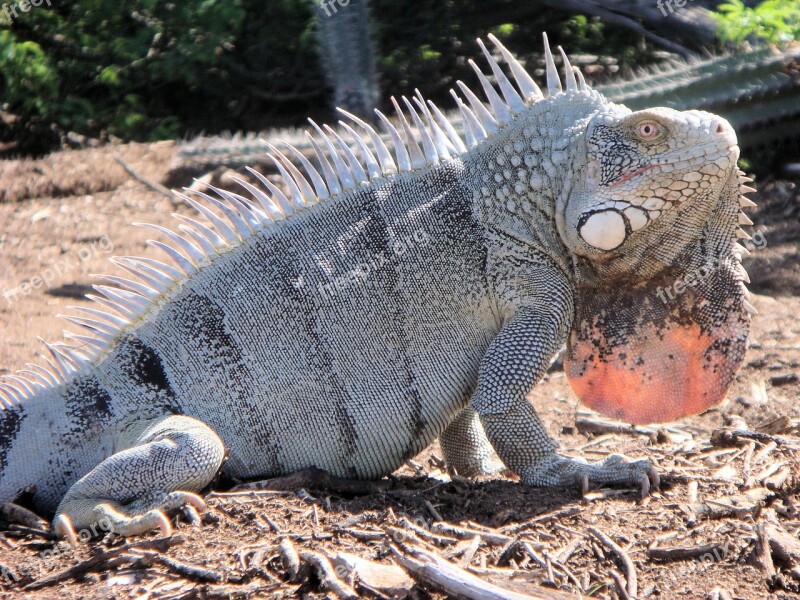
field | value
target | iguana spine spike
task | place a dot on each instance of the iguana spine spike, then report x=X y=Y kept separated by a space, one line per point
x=415 y=154
x=487 y=120
x=553 y=80
x=500 y=111
x=511 y=96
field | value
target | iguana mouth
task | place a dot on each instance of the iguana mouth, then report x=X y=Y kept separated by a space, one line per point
x=712 y=155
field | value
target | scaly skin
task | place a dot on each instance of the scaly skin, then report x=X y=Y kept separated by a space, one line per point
x=350 y=326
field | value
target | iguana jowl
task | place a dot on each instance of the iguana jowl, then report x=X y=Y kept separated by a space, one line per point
x=387 y=300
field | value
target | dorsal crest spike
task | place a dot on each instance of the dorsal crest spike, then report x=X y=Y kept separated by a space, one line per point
x=400 y=151
x=569 y=74
x=342 y=170
x=208 y=239
x=417 y=159
x=373 y=168
x=240 y=226
x=439 y=138
x=512 y=98
x=384 y=157
x=327 y=170
x=499 y=108
x=527 y=85
x=320 y=189
x=473 y=130
x=429 y=150
x=553 y=80
x=452 y=134
x=581 y=81
x=298 y=185
x=355 y=167
x=485 y=118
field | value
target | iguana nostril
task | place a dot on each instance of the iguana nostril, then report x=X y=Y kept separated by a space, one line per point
x=725 y=131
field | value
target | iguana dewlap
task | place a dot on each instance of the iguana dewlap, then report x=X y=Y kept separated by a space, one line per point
x=380 y=299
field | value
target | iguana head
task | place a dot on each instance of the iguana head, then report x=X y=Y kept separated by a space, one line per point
x=652 y=219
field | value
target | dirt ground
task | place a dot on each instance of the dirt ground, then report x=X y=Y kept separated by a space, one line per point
x=725 y=520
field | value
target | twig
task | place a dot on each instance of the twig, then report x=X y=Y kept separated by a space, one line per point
x=425 y=534
x=494 y=538
x=611 y=16
x=363 y=535
x=454 y=580
x=316 y=479
x=762 y=552
x=433 y=511
x=469 y=551
x=621 y=590
x=187 y=570
x=555 y=515
x=627 y=564
x=291 y=560
x=327 y=576
x=272 y=524
x=599 y=426
x=670 y=554
x=156 y=187
x=15 y=514
x=99 y=560
x=732 y=437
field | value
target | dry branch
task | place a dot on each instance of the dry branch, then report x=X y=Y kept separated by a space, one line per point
x=454 y=580
x=627 y=564
x=327 y=575
x=156 y=187
x=99 y=561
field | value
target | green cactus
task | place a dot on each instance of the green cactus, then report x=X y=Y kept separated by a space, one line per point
x=757 y=91
x=347 y=54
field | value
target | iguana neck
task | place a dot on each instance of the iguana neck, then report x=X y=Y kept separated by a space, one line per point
x=517 y=178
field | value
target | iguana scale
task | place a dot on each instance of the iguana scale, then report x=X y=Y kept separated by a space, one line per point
x=385 y=300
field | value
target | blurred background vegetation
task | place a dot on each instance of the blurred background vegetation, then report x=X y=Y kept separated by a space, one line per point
x=150 y=69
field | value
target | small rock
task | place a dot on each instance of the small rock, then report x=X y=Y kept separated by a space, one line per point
x=783 y=379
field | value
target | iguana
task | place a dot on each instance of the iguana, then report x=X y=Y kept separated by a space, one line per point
x=384 y=300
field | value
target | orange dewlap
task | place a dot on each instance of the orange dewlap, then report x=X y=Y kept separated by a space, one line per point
x=661 y=376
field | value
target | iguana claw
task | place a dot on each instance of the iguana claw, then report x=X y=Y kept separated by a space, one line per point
x=558 y=470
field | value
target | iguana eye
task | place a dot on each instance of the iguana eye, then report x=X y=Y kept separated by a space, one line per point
x=648 y=130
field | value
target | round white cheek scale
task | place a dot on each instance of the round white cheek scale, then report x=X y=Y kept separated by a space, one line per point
x=604 y=230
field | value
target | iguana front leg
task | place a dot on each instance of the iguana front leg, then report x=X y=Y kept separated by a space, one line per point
x=517 y=358
x=158 y=470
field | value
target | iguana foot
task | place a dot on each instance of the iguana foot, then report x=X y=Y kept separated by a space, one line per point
x=130 y=491
x=148 y=513
x=557 y=470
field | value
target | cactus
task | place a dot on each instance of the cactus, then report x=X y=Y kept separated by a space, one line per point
x=347 y=54
x=757 y=91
